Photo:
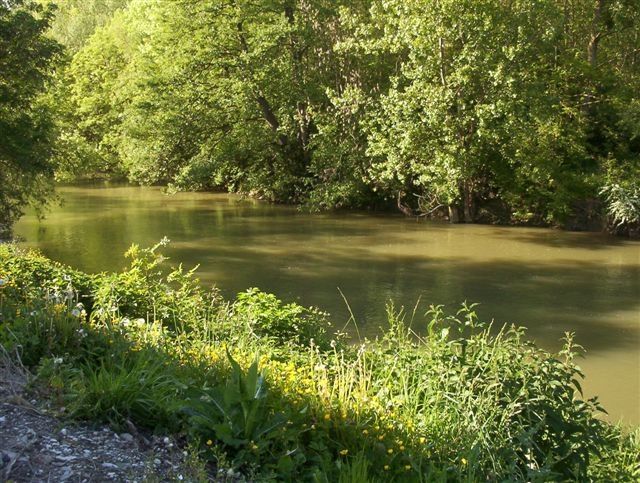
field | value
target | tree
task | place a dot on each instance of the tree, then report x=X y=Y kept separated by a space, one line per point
x=76 y=20
x=482 y=110
x=27 y=60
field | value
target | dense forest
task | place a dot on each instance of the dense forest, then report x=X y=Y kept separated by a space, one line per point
x=500 y=111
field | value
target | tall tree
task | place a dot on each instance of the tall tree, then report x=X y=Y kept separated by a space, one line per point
x=76 y=20
x=27 y=59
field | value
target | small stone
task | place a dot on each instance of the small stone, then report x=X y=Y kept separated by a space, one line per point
x=109 y=466
x=65 y=459
x=86 y=452
x=156 y=462
x=166 y=440
x=6 y=456
x=63 y=431
x=126 y=437
x=111 y=476
x=67 y=473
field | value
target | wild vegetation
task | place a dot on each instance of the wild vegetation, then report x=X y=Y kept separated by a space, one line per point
x=476 y=111
x=27 y=132
x=272 y=390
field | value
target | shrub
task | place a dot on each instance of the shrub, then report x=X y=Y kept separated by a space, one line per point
x=264 y=316
x=622 y=204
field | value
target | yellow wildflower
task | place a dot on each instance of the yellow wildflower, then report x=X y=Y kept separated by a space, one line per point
x=390 y=451
x=386 y=467
x=365 y=431
x=422 y=440
x=209 y=442
x=327 y=417
x=463 y=461
x=344 y=452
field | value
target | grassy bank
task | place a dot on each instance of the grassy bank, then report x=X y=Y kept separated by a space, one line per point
x=270 y=389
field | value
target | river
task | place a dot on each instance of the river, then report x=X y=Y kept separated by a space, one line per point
x=547 y=280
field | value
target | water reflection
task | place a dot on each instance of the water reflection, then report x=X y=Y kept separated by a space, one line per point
x=550 y=281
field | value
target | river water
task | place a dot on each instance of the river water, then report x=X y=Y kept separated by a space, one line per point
x=549 y=281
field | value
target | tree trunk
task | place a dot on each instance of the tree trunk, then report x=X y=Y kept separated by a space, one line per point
x=454 y=216
x=468 y=202
x=406 y=209
x=592 y=48
x=271 y=118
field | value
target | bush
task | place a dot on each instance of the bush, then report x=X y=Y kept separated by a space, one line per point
x=622 y=205
x=264 y=316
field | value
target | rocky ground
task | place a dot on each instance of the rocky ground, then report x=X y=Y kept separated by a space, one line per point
x=38 y=446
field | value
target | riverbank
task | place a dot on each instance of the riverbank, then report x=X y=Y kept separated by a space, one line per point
x=266 y=387
x=549 y=280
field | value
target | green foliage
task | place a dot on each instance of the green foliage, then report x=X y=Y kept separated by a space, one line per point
x=136 y=387
x=27 y=59
x=356 y=470
x=268 y=318
x=145 y=291
x=76 y=20
x=463 y=402
x=623 y=204
x=235 y=414
x=457 y=109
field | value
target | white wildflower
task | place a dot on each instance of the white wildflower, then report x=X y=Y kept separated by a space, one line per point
x=78 y=310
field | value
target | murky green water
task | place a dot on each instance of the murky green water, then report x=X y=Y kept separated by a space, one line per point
x=549 y=281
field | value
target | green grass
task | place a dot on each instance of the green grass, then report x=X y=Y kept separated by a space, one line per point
x=266 y=387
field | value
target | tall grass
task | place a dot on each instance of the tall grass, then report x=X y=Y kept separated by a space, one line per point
x=268 y=387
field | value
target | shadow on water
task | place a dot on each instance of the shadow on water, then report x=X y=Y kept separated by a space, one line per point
x=372 y=260
x=549 y=300
x=562 y=239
